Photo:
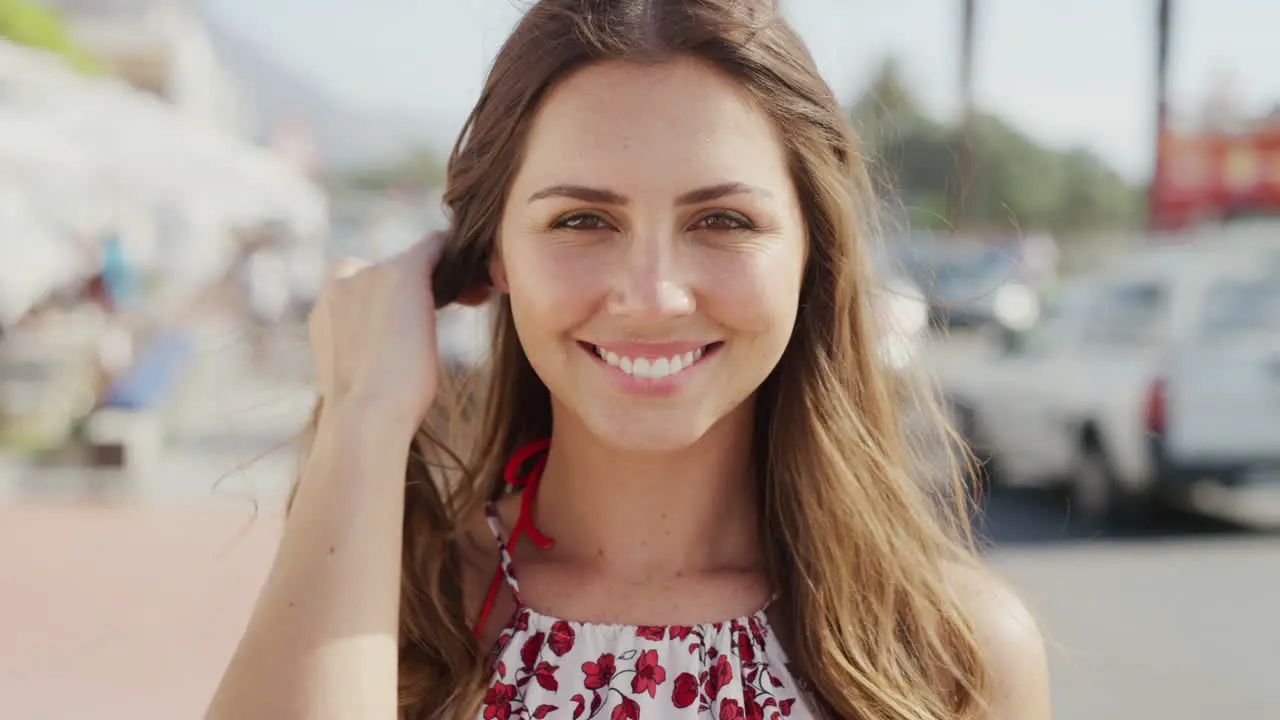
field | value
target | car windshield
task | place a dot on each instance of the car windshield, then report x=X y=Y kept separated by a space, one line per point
x=1242 y=308
x=970 y=270
x=943 y=271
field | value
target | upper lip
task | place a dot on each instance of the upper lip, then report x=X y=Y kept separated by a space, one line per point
x=632 y=348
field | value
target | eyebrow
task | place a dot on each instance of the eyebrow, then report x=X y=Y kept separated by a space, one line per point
x=609 y=197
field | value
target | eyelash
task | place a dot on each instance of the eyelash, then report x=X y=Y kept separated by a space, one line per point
x=739 y=223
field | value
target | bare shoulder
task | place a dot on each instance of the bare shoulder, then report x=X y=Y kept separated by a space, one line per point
x=1010 y=640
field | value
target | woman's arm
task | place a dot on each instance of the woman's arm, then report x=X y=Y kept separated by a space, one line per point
x=322 y=641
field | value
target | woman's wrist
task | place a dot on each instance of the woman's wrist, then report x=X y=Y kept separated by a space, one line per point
x=370 y=422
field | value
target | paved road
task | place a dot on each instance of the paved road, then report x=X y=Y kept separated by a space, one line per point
x=128 y=607
x=123 y=612
x=1176 y=630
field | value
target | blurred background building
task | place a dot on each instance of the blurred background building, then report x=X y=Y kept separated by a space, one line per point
x=165 y=48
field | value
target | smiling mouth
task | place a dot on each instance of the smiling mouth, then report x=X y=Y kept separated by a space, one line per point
x=653 y=368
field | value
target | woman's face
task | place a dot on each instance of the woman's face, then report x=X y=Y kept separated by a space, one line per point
x=653 y=247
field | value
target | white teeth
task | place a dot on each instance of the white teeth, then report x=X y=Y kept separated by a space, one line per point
x=640 y=367
x=650 y=368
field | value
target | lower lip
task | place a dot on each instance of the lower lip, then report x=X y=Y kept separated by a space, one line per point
x=652 y=387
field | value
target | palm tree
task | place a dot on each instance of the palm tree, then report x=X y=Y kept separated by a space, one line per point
x=968 y=17
x=1164 y=11
x=966 y=157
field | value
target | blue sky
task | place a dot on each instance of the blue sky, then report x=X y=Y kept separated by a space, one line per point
x=1068 y=72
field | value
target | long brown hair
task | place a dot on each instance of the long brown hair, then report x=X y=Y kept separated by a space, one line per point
x=856 y=546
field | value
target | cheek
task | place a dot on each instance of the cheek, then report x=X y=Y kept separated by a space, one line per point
x=554 y=287
x=758 y=293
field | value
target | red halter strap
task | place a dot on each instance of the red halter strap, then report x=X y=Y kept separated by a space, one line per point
x=528 y=483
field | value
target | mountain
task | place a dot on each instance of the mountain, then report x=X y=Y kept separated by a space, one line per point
x=346 y=138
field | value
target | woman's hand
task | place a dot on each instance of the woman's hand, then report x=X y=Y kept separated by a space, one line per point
x=373 y=335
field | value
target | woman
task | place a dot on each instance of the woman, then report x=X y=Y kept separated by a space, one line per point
x=690 y=494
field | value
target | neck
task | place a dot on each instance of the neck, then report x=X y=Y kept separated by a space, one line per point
x=652 y=515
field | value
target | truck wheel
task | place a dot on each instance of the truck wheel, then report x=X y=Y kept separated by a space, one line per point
x=1097 y=500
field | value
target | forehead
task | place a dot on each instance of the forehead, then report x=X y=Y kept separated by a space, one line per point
x=625 y=123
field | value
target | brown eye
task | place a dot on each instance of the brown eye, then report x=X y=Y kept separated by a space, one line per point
x=722 y=221
x=581 y=221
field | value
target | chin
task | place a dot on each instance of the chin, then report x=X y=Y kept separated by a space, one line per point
x=648 y=437
x=656 y=433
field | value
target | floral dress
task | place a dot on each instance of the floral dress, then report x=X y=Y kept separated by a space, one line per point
x=546 y=667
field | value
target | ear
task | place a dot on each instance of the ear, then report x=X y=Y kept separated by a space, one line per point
x=498 y=270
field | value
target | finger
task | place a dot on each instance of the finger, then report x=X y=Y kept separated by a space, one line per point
x=346 y=267
x=426 y=252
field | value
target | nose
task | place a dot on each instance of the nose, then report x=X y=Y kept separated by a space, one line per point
x=650 y=285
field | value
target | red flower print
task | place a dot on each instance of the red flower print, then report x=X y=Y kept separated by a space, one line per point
x=679 y=632
x=649 y=674
x=599 y=673
x=731 y=710
x=501 y=646
x=785 y=706
x=721 y=674
x=746 y=651
x=543 y=711
x=651 y=632
x=579 y=704
x=626 y=710
x=497 y=701
x=545 y=674
x=684 y=691
x=532 y=647
x=562 y=637
x=754 y=711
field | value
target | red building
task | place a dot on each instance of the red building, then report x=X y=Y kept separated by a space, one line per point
x=1215 y=175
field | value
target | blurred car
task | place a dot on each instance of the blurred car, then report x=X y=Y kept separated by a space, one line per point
x=904 y=314
x=1077 y=401
x=1217 y=414
x=967 y=284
